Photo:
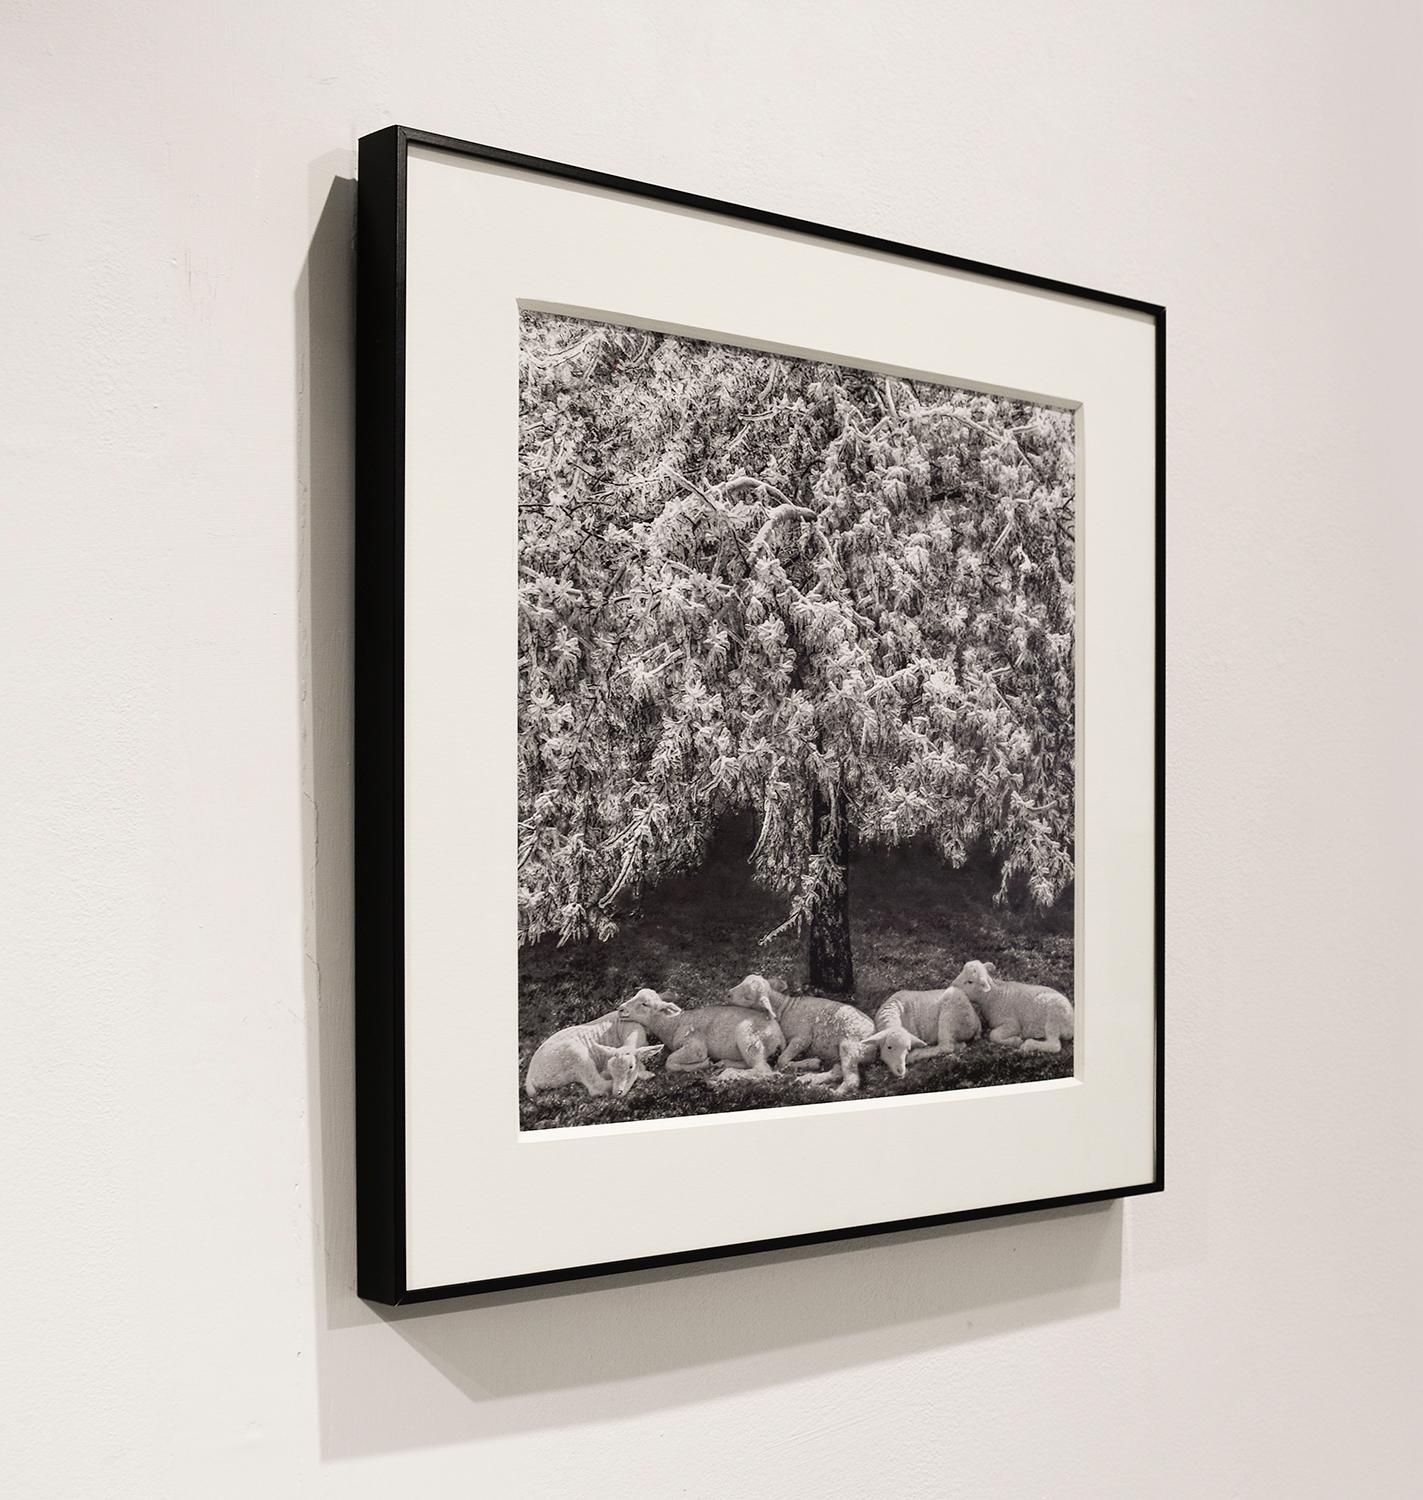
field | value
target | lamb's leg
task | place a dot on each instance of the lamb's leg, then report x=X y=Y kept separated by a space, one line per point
x=753 y=1054
x=801 y=1065
x=585 y=1071
x=833 y=1076
x=946 y=1046
x=690 y=1057
x=792 y=1050
x=851 y=1055
x=949 y=1045
x=1007 y=1034
x=1052 y=1042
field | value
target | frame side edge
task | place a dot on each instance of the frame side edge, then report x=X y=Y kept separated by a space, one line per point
x=379 y=718
x=1160 y=831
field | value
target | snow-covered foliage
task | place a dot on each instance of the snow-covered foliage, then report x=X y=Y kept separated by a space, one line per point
x=746 y=581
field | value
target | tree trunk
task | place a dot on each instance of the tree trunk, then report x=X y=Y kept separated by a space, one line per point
x=832 y=969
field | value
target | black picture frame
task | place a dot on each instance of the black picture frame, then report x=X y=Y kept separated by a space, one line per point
x=379 y=752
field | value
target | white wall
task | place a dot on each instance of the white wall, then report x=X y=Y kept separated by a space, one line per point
x=175 y=1101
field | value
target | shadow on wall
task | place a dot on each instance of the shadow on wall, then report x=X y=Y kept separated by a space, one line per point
x=606 y=1349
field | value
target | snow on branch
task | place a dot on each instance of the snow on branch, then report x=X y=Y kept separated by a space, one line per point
x=906 y=655
x=774 y=517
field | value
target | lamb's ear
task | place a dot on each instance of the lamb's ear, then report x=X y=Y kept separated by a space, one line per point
x=780 y=983
x=915 y=1041
x=649 y=1051
x=991 y=970
x=879 y=1036
x=600 y=1052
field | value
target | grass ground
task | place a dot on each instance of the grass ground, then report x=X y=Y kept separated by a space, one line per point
x=914 y=922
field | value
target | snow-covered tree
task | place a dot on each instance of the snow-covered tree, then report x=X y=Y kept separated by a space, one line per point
x=841 y=600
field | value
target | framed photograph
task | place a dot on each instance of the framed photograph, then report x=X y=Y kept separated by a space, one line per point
x=759 y=738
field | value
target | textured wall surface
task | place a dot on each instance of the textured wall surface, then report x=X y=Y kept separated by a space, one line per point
x=174 y=1083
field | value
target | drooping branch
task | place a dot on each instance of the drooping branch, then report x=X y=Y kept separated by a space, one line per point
x=1001 y=439
x=774 y=517
x=557 y=356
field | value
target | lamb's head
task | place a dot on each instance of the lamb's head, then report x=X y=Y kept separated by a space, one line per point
x=645 y=1005
x=894 y=1043
x=974 y=980
x=621 y=1063
x=754 y=992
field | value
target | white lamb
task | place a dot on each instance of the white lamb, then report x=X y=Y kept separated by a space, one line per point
x=708 y=1034
x=910 y=1015
x=814 y=1029
x=1034 y=1014
x=616 y=1042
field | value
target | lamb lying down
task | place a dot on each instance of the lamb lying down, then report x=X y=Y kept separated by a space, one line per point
x=606 y=1056
x=907 y=1021
x=814 y=1028
x=707 y=1034
x=1039 y=1017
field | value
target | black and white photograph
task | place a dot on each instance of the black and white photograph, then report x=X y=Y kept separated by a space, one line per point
x=797 y=729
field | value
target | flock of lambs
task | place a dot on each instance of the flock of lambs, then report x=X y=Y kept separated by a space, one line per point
x=824 y=1042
